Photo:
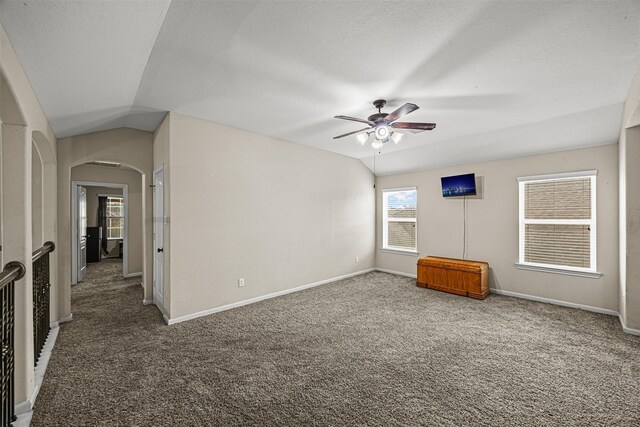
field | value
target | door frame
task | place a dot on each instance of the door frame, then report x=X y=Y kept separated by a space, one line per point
x=159 y=304
x=74 y=225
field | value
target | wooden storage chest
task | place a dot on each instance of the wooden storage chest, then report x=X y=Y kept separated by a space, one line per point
x=461 y=277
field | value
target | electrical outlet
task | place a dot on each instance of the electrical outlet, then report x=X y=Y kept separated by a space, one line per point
x=241 y=282
x=357 y=259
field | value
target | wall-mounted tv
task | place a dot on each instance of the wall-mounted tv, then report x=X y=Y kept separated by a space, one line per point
x=459 y=185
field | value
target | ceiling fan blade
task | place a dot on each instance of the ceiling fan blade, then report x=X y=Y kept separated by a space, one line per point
x=350 y=133
x=413 y=126
x=355 y=119
x=399 y=112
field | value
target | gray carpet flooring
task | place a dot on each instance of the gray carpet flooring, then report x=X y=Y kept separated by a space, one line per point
x=372 y=350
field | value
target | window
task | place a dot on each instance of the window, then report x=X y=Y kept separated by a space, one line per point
x=115 y=218
x=399 y=219
x=558 y=221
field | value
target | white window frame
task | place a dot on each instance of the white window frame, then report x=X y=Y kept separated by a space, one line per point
x=116 y=196
x=553 y=268
x=385 y=221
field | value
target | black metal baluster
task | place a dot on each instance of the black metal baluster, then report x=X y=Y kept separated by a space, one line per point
x=41 y=297
x=12 y=271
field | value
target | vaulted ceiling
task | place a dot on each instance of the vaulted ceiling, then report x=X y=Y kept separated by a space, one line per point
x=500 y=78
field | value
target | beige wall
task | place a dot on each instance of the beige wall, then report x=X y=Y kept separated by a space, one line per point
x=24 y=127
x=279 y=214
x=492 y=224
x=161 y=161
x=36 y=199
x=131 y=178
x=629 y=209
x=131 y=148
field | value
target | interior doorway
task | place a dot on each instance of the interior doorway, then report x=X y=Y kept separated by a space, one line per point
x=80 y=212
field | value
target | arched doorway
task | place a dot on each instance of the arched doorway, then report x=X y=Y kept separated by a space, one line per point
x=107 y=217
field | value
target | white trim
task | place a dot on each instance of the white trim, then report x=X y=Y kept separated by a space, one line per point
x=138 y=274
x=40 y=370
x=65 y=319
x=399 y=189
x=399 y=251
x=26 y=406
x=386 y=220
x=260 y=298
x=592 y=223
x=559 y=270
x=57 y=323
x=399 y=273
x=74 y=214
x=147 y=301
x=554 y=176
x=628 y=330
x=555 y=302
x=124 y=209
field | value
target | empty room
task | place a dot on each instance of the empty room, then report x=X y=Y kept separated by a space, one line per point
x=320 y=213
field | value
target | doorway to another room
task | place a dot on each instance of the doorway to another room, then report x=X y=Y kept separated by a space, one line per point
x=106 y=223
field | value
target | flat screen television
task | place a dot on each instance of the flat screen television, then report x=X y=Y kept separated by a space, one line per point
x=459 y=185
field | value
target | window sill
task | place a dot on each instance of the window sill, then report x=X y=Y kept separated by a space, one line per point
x=114 y=238
x=567 y=271
x=399 y=251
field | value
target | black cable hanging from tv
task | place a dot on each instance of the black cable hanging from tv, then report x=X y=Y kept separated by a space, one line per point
x=464 y=226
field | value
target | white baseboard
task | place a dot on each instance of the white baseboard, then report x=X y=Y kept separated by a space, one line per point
x=555 y=301
x=61 y=320
x=40 y=369
x=26 y=406
x=126 y=276
x=260 y=298
x=147 y=301
x=626 y=329
x=399 y=273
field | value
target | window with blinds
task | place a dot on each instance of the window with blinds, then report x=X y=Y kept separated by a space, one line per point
x=399 y=209
x=558 y=221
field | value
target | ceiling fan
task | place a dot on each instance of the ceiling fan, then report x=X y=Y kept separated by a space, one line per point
x=384 y=126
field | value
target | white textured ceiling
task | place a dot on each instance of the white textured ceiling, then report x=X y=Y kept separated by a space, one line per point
x=500 y=78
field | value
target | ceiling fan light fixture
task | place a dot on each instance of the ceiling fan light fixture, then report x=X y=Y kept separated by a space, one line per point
x=382 y=132
x=362 y=138
x=396 y=137
x=385 y=127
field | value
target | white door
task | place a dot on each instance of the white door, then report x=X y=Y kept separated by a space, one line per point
x=158 y=237
x=82 y=232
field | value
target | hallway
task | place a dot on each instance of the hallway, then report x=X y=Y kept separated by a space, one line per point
x=99 y=368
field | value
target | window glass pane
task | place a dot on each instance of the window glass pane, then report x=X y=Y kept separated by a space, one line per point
x=115 y=228
x=115 y=207
x=558 y=199
x=401 y=204
x=401 y=235
x=567 y=245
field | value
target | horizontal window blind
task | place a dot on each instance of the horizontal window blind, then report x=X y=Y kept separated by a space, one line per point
x=564 y=245
x=399 y=219
x=558 y=199
x=402 y=234
x=557 y=221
